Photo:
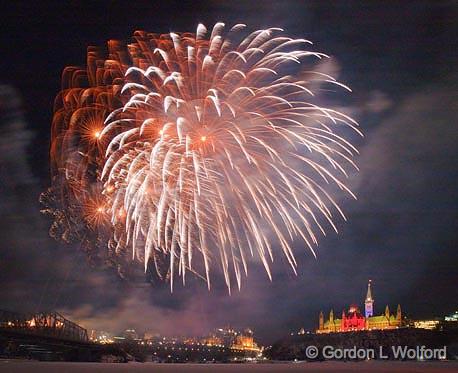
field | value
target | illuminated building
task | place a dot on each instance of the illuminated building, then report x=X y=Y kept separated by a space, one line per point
x=100 y=337
x=212 y=340
x=245 y=342
x=369 y=302
x=130 y=334
x=353 y=320
x=151 y=335
x=227 y=335
x=452 y=317
x=426 y=324
x=190 y=341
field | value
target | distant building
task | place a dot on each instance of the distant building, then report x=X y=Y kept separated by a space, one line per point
x=452 y=317
x=426 y=324
x=130 y=334
x=151 y=335
x=245 y=341
x=100 y=337
x=353 y=320
x=232 y=339
x=227 y=335
x=212 y=340
x=369 y=302
x=190 y=340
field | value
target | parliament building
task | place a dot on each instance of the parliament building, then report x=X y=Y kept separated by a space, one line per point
x=353 y=320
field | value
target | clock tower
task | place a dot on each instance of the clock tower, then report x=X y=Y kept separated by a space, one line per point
x=369 y=302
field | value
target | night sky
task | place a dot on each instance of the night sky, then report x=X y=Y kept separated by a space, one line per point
x=400 y=60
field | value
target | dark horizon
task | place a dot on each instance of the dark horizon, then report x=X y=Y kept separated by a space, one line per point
x=400 y=62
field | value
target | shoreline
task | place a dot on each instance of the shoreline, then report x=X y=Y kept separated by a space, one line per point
x=20 y=366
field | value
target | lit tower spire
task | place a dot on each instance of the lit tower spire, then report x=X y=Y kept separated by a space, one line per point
x=369 y=302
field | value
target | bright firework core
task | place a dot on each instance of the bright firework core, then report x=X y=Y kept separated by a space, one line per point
x=207 y=147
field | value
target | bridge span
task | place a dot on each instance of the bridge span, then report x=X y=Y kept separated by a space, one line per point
x=49 y=336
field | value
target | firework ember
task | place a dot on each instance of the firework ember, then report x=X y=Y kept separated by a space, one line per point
x=187 y=150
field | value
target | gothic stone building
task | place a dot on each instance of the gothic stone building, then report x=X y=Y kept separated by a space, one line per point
x=353 y=320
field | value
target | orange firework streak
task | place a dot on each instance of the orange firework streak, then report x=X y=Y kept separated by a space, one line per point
x=187 y=147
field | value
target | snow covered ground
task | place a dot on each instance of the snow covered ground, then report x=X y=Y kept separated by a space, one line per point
x=11 y=366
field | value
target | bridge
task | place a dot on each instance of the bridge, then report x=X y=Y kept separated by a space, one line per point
x=50 y=324
x=48 y=336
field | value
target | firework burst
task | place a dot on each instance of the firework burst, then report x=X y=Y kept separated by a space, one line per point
x=195 y=149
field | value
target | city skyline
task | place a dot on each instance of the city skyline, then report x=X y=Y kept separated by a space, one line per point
x=400 y=232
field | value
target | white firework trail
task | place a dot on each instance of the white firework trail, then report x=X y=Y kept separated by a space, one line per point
x=204 y=152
x=197 y=148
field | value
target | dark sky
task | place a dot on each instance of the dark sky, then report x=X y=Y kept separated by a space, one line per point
x=402 y=232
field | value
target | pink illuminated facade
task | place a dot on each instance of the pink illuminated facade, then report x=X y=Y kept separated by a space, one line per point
x=354 y=320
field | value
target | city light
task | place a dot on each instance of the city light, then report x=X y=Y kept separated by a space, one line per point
x=426 y=324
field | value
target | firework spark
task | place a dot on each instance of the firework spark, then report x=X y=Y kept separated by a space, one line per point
x=190 y=147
